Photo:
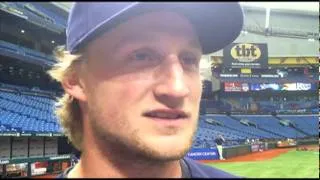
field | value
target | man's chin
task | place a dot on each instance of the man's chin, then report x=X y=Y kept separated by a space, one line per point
x=163 y=155
x=167 y=151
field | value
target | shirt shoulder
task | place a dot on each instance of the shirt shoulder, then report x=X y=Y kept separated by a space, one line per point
x=64 y=174
x=199 y=170
x=60 y=176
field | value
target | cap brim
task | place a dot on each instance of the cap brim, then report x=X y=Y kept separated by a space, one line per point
x=217 y=24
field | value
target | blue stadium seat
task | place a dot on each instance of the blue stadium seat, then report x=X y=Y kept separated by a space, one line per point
x=307 y=123
x=27 y=113
x=272 y=124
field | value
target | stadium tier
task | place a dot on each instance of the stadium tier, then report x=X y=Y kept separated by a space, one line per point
x=34 y=15
x=309 y=124
x=27 y=113
x=22 y=52
x=239 y=128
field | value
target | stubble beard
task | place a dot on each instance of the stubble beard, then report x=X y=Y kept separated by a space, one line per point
x=130 y=148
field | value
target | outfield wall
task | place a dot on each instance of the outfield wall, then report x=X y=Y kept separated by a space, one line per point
x=229 y=152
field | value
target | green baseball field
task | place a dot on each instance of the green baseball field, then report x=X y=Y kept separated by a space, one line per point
x=292 y=164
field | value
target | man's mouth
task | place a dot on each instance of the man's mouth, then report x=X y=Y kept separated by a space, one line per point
x=167 y=114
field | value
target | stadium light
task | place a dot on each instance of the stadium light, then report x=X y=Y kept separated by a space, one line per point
x=244 y=32
x=311 y=40
x=22 y=31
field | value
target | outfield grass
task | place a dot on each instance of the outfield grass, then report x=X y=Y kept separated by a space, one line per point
x=294 y=164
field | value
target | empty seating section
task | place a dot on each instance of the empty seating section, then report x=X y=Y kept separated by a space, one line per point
x=308 y=124
x=268 y=127
x=224 y=130
x=252 y=132
x=272 y=124
x=26 y=113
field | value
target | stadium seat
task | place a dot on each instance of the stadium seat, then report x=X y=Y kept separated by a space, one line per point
x=27 y=113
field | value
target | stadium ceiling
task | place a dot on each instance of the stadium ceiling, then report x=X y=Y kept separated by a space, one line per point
x=311 y=7
x=63 y=5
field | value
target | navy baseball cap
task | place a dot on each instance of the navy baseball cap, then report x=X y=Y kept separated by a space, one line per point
x=217 y=24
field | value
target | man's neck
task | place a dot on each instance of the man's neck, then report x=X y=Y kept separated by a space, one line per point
x=93 y=165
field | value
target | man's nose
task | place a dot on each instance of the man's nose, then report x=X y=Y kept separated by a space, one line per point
x=172 y=87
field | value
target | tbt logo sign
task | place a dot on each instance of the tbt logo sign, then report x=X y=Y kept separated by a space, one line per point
x=245 y=55
x=245 y=52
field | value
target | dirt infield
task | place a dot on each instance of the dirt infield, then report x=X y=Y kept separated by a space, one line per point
x=257 y=156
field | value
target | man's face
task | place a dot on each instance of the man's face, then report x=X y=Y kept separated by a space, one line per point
x=143 y=86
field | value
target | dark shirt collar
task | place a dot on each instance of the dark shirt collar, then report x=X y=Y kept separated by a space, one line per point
x=185 y=169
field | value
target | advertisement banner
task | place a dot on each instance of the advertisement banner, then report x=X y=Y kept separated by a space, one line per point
x=283 y=87
x=246 y=55
x=232 y=87
x=272 y=86
x=287 y=143
x=203 y=154
x=236 y=87
x=269 y=76
x=254 y=147
x=273 y=76
x=246 y=71
x=289 y=87
x=304 y=86
x=255 y=87
x=264 y=86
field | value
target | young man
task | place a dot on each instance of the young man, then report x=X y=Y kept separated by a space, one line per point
x=132 y=84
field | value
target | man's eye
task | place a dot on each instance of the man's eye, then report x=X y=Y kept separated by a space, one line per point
x=190 y=60
x=143 y=56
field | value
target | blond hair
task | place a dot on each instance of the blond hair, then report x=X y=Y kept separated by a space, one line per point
x=67 y=108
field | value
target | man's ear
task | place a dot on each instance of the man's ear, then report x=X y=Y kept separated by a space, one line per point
x=73 y=86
